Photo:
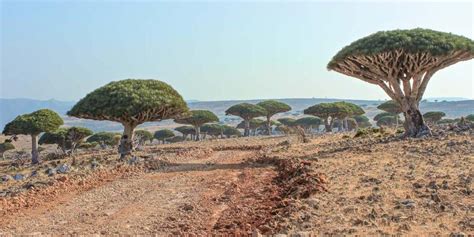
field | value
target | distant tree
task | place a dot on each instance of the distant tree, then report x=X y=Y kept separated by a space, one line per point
x=231 y=131
x=131 y=102
x=214 y=130
x=470 y=117
x=162 y=135
x=362 y=121
x=142 y=136
x=402 y=62
x=447 y=121
x=5 y=146
x=254 y=124
x=391 y=107
x=308 y=123
x=384 y=114
x=387 y=121
x=33 y=124
x=175 y=139
x=353 y=109
x=186 y=130
x=273 y=107
x=67 y=139
x=197 y=118
x=289 y=122
x=329 y=112
x=434 y=117
x=247 y=112
x=104 y=138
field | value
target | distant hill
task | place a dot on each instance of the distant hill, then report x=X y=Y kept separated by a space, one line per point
x=10 y=108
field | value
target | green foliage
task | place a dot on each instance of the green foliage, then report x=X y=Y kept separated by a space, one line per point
x=246 y=111
x=273 y=107
x=66 y=138
x=384 y=114
x=362 y=121
x=198 y=118
x=43 y=120
x=309 y=121
x=6 y=146
x=185 y=130
x=88 y=145
x=108 y=138
x=447 y=121
x=389 y=120
x=163 y=134
x=254 y=124
x=470 y=117
x=231 y=131
x=433 y=116
x=287 y=121
x=131 y=100
x=143 y=135
x=212 y=129
x=334 y=110
x=411 y=41
x=390 y=106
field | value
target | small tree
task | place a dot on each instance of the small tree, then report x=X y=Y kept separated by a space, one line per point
x=186 y=130
x=391 y=107
x=387 y=121
x=352 y=124
x=104 y=138
x=362 y=121
x=231 y=131
x=470 y=117
x=273 y=107
x=384 y=114
x=352 y=109
x=142 y=136
x=289 y=122
x=162 y=135
x=247 y=112
x=67 y=139
x=131 y=102
x=197 y=118
x=308 y=123
x=329 y=112
x=402 y=63
x=433 y=117
x=215 y=130
x=5 y=146
x=33 y=124
x=254 y=124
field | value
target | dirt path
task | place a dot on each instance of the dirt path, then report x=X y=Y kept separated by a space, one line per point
x=184 y=197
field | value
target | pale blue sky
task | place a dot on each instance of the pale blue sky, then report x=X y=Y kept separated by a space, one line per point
x=210 y=50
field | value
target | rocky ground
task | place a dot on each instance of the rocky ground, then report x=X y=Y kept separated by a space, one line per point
x=335 y=184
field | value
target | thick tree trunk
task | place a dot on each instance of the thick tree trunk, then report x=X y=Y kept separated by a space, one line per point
x=327 y=125
x=414 y=124
x=34 y=149
x=197 y=131
x=126 y=144
x=247 y=128
x=269 y=126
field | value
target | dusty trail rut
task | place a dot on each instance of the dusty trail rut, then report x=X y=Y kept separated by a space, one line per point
x=179 y=198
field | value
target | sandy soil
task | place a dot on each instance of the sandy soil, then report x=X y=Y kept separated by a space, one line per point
x=369 y=186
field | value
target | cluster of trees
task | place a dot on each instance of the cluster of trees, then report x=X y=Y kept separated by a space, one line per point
x=401 y=62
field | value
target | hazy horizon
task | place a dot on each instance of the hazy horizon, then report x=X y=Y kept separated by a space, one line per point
x=210 y=51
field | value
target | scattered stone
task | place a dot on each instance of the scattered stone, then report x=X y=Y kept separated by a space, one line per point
x=62 y=169
x=406 y=203
x=50 y=172
x=34 y=173
x=457 y=234
x=6 y=178
x=18 y=177
x=95 y=164
x=433 y=185
x=187 y=207
x=417 y=185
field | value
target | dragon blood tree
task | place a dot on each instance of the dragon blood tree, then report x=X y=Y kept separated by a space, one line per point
x=273 y=107
x=131 y=102
x=197 y=118
x=43 y=120
x=392 y=107
x=247 y=112
x=402 y=62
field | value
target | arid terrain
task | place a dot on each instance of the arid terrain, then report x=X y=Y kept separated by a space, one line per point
x=334 y=184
